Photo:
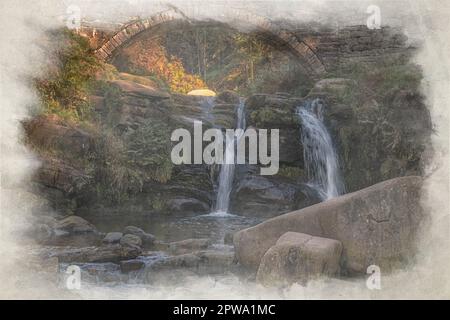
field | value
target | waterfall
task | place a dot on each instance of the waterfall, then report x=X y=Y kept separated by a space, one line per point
x=321 y=162
x=226 y=175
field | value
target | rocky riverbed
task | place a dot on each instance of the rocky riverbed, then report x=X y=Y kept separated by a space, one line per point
x=338 y=238
x=114 y=204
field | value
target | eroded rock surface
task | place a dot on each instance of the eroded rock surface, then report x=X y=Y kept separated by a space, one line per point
x=299 y=257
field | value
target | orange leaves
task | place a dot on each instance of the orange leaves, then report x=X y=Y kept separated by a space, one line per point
x=152 y=58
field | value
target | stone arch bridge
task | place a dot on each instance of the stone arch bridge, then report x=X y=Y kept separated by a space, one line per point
x=308 y=58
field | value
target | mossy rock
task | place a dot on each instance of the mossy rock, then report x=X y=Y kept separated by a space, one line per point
x=272 y=111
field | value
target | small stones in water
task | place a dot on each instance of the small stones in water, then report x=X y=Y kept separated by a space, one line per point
x=75 y=224
x=130 y=240
x=112 y=237
x=146 y=238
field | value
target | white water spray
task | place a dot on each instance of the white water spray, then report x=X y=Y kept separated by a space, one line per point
x=321 y=162
x=226 y=175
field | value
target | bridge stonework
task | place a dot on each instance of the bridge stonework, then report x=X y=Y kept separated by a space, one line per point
x=310 y=61
x=318 y=50
x=130 y=30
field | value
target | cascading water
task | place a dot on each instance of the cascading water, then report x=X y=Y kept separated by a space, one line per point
x=226 y=175
x=321 y=162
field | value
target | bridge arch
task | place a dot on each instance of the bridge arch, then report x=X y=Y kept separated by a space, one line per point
x=308 y=58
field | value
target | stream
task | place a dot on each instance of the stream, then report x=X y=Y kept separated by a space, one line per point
x=175 y=228
x=321 y=164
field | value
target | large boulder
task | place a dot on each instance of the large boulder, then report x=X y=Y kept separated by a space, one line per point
x=299 y=257
x=112 y=237
x=376 y=225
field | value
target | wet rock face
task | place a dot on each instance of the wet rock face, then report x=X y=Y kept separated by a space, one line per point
x=376 y=139
x=72 y=186
x=277 y=112
x=190 y=190
x=268 y=196
x=376 y=225
x=265 y=196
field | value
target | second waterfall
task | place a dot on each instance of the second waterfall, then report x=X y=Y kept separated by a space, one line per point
x=226 y=175
x=320 y=158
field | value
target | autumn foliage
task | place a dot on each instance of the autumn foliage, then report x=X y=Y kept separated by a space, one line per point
x=149 y=57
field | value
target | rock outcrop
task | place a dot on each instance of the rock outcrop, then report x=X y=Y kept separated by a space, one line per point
x=61 y=182
x=52 y=132
x=378 y=137
x=268 y=196
x=376 y=225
